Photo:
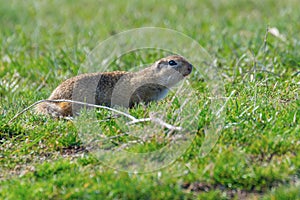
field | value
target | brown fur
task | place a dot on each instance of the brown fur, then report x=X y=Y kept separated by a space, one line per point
x=116 y=88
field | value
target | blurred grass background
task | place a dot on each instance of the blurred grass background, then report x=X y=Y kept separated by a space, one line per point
x=257 y=154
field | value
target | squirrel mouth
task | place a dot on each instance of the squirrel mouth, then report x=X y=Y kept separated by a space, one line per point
x=186 y=74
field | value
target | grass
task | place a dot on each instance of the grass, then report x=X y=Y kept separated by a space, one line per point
x=257 y=152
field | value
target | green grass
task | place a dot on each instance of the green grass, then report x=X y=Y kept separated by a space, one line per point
x=257 y=153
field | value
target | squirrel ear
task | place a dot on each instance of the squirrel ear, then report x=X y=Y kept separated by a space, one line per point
x=159 y=64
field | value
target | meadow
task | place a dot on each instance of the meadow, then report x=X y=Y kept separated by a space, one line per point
x=255 y=45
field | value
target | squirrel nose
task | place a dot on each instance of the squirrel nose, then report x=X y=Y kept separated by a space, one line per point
x=190 y=67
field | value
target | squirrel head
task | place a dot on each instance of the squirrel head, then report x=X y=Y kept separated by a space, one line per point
x=172 y=69
x=175 y=62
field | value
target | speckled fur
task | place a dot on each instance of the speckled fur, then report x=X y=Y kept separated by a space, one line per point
x=98 y=88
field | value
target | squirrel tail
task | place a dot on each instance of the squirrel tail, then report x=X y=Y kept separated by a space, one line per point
x=52 y=109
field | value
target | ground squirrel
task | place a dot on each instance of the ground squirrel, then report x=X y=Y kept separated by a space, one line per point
x=117 y=88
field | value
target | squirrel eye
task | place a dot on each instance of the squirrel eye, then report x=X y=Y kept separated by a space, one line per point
x=172 y=63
